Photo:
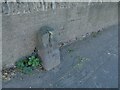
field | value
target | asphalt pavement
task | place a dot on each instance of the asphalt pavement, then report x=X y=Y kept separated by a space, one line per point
x=89 y=63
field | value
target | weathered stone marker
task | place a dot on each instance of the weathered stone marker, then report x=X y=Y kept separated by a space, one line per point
x=48 y=49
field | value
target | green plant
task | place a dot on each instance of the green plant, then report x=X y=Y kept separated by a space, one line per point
x=70 y=50
x=94 y=34
x=28 y=64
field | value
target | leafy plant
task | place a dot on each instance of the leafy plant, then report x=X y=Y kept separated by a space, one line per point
x=28 y=64
x=34 y=62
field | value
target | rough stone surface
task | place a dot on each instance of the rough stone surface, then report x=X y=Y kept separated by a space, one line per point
x=52 y=59
x=19 y=30
x=47 y=48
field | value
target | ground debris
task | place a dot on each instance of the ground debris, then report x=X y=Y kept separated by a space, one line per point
x=8 y=73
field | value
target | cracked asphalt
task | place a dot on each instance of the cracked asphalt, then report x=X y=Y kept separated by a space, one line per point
x=90 y=63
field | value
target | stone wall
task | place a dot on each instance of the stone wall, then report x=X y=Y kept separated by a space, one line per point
x=22 y=21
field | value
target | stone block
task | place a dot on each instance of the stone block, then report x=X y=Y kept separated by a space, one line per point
x=47 y=48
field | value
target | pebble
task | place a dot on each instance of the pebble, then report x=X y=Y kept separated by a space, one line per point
x=3 y=76
x=12 y=74
x=5 y=73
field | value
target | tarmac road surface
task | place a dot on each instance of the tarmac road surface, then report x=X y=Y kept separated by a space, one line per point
x=90 y=63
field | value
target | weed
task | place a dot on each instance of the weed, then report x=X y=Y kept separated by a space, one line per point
x=28 y=64
x=70 y=50
x=94 y=34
